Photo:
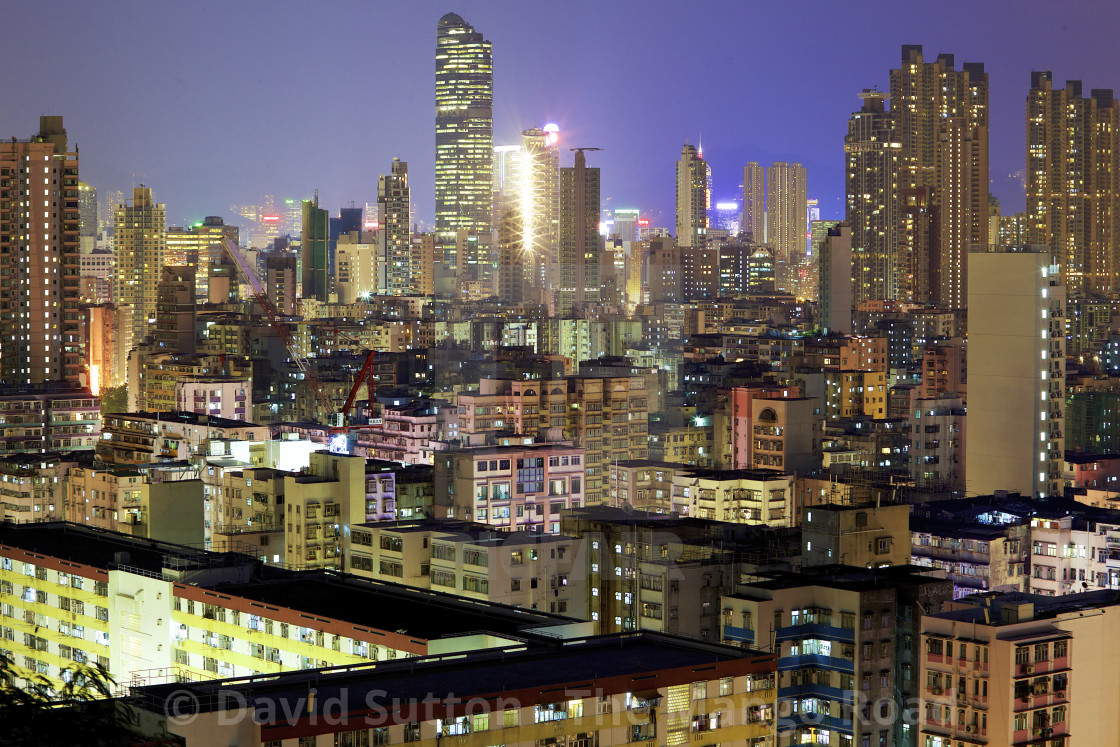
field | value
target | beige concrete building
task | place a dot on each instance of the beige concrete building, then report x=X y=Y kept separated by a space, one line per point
x=32 y=486
x=737 y=496
x=865 y=535
x=512 y=487
x=469 y=559
x=689 y=691
x=143 y=437
x=164 y=503
x=1016 y=372
x=1014 y=668
x=841 y=633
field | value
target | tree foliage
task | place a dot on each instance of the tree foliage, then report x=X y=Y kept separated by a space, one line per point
x=80 y=713
x=114 y=399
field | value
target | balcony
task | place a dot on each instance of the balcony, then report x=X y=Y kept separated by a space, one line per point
x=816 y=630
x=737 y=634
x=255 y=528
x=819 y=660
x=810 y=689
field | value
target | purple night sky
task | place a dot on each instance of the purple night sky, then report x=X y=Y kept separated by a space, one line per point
x=215 y=103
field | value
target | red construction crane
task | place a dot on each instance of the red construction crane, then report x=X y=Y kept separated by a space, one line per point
x=261 y=297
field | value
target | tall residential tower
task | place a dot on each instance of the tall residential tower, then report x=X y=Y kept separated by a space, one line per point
x=394 y=236
x=139 y=241
x=579 y=236
x=1073 y=181
x=786 y=218
x=754 y=202
x=871 y=183
x=692 y=197
x=39 y=241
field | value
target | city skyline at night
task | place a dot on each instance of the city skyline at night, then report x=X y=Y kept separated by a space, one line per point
x=206 y=130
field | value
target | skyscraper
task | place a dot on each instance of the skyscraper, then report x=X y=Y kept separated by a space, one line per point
x=39 y=283
x=1073 y=181
x=316 y=272
x=1016 y=371
x=754 y=202
x=941 y=120
x=515 y=279
x=692 y=197
x=787 y=205
x=87 y=211
x=507 y=169
x=395 y=235
x=871 y=184
x=464 y=132
x=579 y=236
x=139 y=244
x=539 y=204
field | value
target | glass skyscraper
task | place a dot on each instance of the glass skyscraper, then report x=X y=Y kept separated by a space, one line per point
x=464 y=132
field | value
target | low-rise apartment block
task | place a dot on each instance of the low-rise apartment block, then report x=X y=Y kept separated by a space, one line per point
x=603 y=691
x=155 y=611
x=521 y=569
x=512 y=487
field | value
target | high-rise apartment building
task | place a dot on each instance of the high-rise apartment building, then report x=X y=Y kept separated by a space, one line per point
x=941 y=121
x=139 y=242
x=787 y=214
x=87 y=211
x=423 y=263
x=176 y=311
x=1073 y=181
x=394 y=233
x=754 y=202
x=316 y=273
x=464 y=131
x=692 y=197
x=835 y=267
x=871 y=183
x=280 y=281
x=579 y=236
x=200 y=246
x=360 y=270
x=1016 y=372
x=515 y=275
x=39 y=247
x=539 y=203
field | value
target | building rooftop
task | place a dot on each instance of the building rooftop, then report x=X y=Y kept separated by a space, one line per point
x=545 y=671
x=474 y=532
x=105 y=549
x=420 y=614
x=760 y=475
x=186 y=418
x=987 y=608
x=853 y=578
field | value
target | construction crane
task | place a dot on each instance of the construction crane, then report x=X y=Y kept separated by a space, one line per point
x=339 y=426
x=261 y=297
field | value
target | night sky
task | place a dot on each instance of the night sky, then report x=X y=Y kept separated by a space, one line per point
x=215 y=103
